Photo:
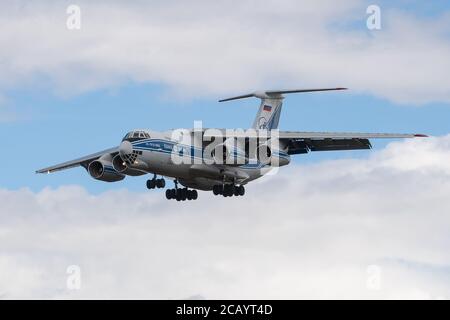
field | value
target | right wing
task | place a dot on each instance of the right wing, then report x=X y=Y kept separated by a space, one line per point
x=83 y=161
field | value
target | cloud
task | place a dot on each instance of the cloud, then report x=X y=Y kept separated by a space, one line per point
x=215 y=48
x=354 y=228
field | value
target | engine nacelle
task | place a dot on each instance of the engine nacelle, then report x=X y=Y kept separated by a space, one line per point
x=104 y=171
x=122 y=167
x=273 y=157
x=264 y=153
x=225 y=154
x=221 y=154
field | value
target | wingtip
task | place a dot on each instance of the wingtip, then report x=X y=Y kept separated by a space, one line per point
x=419 y=135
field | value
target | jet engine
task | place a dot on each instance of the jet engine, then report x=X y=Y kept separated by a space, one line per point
x=221 y=154
x=264 y=153
x=104 y=171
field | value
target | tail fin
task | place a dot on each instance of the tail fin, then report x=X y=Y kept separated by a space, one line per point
x=268 y=115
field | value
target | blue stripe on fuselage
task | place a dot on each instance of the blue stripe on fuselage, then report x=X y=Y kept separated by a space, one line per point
x=166 y=146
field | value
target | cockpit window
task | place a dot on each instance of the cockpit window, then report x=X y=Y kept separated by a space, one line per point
x=136 y=135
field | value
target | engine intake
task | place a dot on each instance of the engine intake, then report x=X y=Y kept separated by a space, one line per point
x=264 y=153
x=221 y=154
x=104 y=171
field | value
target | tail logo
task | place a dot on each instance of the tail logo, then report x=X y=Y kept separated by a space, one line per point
x=262 y=123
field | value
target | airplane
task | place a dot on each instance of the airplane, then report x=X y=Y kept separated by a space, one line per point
x=223 y=166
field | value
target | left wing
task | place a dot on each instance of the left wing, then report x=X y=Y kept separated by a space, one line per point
x=344 y=135
x=83 y=161
x=303 y=142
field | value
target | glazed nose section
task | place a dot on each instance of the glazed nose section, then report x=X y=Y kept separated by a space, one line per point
x=126 y=152
x=125 y=148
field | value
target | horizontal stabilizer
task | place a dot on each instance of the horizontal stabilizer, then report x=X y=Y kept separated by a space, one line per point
x=277 y=93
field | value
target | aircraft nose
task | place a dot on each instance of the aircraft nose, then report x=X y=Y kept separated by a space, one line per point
x=125 y=148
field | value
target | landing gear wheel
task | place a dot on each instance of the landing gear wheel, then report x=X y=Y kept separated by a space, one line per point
x=228 y=190
x=160 y=183
x=192 y=195
x=151 y=184
x=181 y=194
x=216 y=190
x=241 y=190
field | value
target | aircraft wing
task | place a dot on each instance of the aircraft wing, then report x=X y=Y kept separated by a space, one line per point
x=344 y=135
x=83 y=161
x=303 y=142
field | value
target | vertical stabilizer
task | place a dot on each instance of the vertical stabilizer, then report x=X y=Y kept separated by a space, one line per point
x=268 y=115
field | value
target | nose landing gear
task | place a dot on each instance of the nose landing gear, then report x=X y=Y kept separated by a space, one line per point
x=156 y=183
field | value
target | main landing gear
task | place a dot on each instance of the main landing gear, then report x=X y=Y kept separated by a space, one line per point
x=181 y=194
x=228 y=190
x=156 y=183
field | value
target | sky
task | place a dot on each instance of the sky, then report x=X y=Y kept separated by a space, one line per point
x=320 y=227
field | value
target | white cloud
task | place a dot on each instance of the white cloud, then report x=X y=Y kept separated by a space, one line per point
x=220 y=47
x=311 y=231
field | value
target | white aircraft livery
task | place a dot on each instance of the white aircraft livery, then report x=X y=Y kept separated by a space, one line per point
x=219 y=160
